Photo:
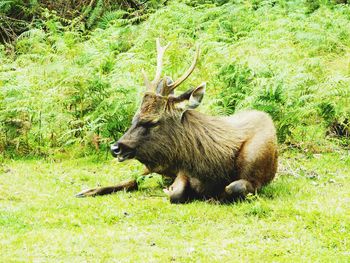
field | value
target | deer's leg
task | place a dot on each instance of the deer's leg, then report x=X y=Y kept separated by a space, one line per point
x=238 y=189
x=179 y=191
x=129 y=185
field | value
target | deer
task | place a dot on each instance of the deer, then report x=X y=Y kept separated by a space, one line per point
x=224 y=158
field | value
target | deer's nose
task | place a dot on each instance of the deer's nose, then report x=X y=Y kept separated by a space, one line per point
x=115 y=150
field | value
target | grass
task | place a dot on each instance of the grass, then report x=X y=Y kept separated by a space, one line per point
x=63 y=91
x=303 y=216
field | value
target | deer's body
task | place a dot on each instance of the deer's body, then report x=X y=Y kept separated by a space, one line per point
x=207 y=156
x=213 y=151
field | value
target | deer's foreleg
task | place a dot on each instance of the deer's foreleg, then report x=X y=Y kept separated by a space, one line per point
x=129 y=185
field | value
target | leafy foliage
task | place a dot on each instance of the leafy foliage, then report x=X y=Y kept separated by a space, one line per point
x=18 y=16
x=62 y=86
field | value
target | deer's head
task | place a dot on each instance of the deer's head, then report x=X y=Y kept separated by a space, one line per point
x=159 y=111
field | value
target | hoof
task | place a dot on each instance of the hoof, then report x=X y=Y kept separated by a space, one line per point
x=86 y=193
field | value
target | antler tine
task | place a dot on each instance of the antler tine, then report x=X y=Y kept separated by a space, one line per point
x=172 y=86
x=160 y=53
x=146 y=80
x=151 y=85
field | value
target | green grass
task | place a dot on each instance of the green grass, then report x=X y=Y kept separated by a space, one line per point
x=60 y=87
x=303 y=216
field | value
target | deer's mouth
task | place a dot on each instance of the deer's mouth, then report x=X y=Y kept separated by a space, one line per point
x=122 y=152
x=125 y=156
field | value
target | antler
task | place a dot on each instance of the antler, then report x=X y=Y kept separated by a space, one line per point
x=152 y=85
x=169 y=88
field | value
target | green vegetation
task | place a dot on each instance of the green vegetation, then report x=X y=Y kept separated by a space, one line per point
x=61 y=87
x=17 y=16
x=303 y=216
x=70 y=83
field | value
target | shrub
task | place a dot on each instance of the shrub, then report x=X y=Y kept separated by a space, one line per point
x=64 y=86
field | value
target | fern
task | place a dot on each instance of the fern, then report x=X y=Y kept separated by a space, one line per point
x=95 y=14
x=109 y=17
x=63 y=84
x=32 y=33
x=5 y=6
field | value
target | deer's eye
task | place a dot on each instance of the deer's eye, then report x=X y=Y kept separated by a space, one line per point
x=148 y=124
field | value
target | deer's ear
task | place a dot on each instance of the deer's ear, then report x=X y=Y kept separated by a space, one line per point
x=196 y=96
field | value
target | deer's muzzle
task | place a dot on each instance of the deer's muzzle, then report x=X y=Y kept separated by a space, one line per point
x=122 y=152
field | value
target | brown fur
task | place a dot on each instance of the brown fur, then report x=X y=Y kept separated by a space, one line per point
x=207 y=156
x=211 y=151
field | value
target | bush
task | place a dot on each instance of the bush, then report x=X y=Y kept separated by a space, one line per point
x=18 y=16
x=63 y=86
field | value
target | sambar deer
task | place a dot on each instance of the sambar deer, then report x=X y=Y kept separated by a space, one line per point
x=207 y=156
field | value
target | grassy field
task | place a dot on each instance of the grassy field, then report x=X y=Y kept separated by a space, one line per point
x=71 y=88
x=303 y=216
